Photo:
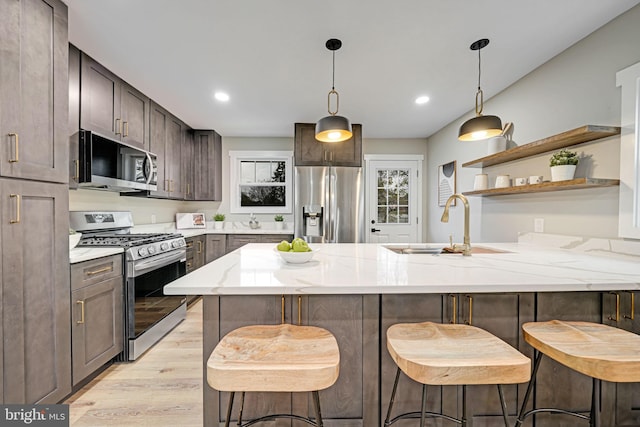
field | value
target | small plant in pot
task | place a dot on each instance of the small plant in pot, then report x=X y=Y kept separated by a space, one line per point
x=218 y=221
x=279 y=219
x=563 y=165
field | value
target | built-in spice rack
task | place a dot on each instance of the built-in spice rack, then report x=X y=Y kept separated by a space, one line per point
x=565 y=139
x=576 y=136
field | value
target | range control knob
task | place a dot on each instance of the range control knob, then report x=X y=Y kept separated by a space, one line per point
x=152 y=250
x=164 y=246
x=175 y=243
x=143 y=252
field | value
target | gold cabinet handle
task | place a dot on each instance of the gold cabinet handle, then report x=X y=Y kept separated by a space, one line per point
x=76 y=177
x=299 y=310
x=617 y=315
x=631 y=315
x=282 y=310
x=199 y=247
x=470 y=299
x=118 y=127
x=100 y=270
x=18 y=203
x=81 y=321
x=188 y=192
x=16 y=144
x=454 y=311
x=189 y=264
x=126 y=129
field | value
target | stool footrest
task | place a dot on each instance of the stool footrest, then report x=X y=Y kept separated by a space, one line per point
x=553 y=411
x=276 y=416
x=413 y=415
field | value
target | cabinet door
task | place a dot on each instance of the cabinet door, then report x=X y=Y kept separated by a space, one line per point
x=74 y=116
x=173 y=158
x=575 y=393
x=158 y=141
x=215 y=246
x=349 y=152
x=99 y=99
x=275 y=238
x=620 y=310
x=501 y=315
x=134 y=112
x=406 y=309
x=97 y=326
x=34 y=95
x=36 y=292
x=308 y=151
x=188 y=165
x=207 y=166
x=353 y=320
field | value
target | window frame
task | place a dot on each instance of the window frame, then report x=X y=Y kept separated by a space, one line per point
x=235 y=182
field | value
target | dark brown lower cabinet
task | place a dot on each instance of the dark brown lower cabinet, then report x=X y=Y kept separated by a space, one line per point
x=215 y=246
x=195 y=252
x=97 y=331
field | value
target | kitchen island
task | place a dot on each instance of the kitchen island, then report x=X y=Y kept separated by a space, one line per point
x=358 y=290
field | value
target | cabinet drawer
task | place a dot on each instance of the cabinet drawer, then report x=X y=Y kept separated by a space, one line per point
x=275 y=238
x=90 y=272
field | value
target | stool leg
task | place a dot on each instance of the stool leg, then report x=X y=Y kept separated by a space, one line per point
x=464 y=406
x=393 y=396
x=536 y=365
x=316 y=404
x=504 y=406
x=241 y=409
x=229 y=408
x=595 y=404
x=423 y=413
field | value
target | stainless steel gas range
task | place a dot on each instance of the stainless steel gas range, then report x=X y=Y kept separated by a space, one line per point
x=151 y=261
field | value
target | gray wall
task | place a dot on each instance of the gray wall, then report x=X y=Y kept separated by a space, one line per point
x=573 y=89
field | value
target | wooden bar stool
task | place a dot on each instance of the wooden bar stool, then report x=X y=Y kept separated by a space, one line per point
x=599 y=351
x=274 y=358
x=452 y=354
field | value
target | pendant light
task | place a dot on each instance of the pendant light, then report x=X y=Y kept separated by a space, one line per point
x=333 y=128
x=480 y=127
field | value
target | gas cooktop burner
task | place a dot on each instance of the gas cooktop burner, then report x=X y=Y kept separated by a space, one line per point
x=126 y=240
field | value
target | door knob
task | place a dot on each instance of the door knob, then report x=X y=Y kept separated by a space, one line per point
x=373 y=230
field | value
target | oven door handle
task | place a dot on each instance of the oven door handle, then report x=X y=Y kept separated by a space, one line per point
x=158 y=261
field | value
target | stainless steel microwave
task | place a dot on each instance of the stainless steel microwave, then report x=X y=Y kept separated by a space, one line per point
x=112 y=165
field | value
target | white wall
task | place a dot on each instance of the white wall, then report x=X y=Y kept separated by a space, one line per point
x=573 y=89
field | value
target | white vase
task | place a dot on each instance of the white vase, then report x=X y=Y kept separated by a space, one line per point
x=279 y=225
x=562 y=172
x=218 y=225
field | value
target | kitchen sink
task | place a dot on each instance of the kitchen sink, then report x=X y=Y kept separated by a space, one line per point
x=435 y=249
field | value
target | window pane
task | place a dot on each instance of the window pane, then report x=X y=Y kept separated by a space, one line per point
x=263 y=172
x=393 y=178
x=403 y=178
x=247 y=172
x=382 y=215
x=255 y=195
x=393 y=215
x=403 y=197
x=403 y=215
x=393 y=196
x=277 y=172
x=382 y=178
x=382 y=196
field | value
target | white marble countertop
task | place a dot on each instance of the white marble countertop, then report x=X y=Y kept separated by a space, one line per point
x=256 y=269
x=229 y=228
x=85 y=253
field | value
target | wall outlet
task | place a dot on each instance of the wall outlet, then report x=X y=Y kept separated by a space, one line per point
x=538 y=225
x=153 y=218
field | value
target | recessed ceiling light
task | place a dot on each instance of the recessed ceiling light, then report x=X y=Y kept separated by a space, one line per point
x=221 y=96
x=422 y=100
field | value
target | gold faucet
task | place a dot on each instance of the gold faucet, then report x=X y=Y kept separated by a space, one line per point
x=464 y=248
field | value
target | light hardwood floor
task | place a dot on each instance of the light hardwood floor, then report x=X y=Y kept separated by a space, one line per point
x=162 y=388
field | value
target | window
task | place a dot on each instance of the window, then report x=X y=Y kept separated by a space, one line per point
x=393 y=196
x=261 y=181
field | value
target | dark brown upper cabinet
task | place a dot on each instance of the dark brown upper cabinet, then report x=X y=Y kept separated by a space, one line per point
x=311 y=152
x=207 y=165
x=111 y=107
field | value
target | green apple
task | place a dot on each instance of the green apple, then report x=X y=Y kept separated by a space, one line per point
x=300 y=246
x=284 y=246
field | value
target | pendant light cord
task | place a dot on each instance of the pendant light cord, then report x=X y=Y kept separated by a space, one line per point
x=333 y=76
x=479 y=68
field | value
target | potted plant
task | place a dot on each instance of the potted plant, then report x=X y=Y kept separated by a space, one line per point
x=279 y=219
x=563 y=165
x=218 y=223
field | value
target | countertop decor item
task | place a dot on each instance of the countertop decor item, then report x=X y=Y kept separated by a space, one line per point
x=190 y=220
x=333 y=128
x=563 y=165
x=296 y=257
x=218 y=221
x=480 y=127
x=279 y=222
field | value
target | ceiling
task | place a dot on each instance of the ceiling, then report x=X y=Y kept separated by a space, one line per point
x=270 y=56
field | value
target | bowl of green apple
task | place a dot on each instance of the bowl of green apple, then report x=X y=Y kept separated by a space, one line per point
x=296 y=252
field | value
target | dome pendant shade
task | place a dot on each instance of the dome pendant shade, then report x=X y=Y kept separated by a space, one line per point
x=480 y=127
x=333 y=129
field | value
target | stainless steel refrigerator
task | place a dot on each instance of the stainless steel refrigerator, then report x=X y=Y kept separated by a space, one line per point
x=329 y=204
